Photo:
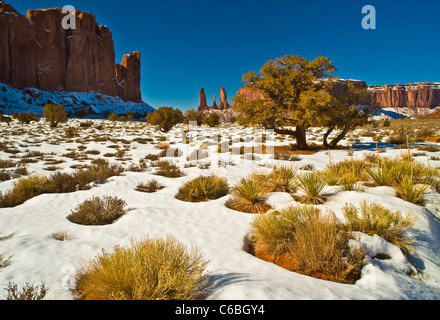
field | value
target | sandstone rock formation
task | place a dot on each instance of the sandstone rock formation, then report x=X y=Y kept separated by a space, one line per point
x=203 y=102
x=224 y=105
x=35 y=51
x=412 y=96
x=223 y=100
x=214 y=104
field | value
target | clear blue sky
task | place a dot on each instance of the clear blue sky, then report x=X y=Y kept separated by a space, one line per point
x=191 y=44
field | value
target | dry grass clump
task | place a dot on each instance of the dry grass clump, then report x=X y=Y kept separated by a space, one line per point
x=313 y=241
x=248 y=196
x=313 y=185
x=168 y=169
x=62 y=235
x=149 y=187
x=203 y=188
x=23 y=190
x=275 y=231
x=98 y=211
x=27 y=292
x=153 y=269
x=374 y=219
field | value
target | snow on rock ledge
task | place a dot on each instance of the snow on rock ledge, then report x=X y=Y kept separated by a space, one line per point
x=96 y=104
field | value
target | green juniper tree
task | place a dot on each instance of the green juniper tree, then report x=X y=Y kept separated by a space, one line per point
x=292 y=95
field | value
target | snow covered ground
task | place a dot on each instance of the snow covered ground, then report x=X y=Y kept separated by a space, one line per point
x=97 y=105
x=35 y=256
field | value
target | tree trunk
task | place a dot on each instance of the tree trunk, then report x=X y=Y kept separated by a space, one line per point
x=299 y=134
x=326 y=135
x=301 y=139
x=341 y=136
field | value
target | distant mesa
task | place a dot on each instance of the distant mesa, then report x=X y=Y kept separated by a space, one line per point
x=36 y=52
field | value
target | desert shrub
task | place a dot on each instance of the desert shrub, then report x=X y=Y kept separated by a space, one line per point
x=248 y=196
x=23 y=190
x=5 y=175
x=26 y=117
x=287 y=157
x=212 y=120
x=152 y=157
x=374 y=219
x=60 y=182
x=165 y=118
x=168 y=169
x=27 y=292
x=203 y=188
x=273 y=232
x=62 y=235
x=312 y=240
x=98 y=211
x=313 y=185
x=154 y=269
x=321 y=250
x=308 y=167
x=149 y=187
x=55 y=114
x=7 y=164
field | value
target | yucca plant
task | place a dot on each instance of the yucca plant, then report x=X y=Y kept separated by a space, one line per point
x=348 y=182
x=203 y=188
x=281 y=179
x=313 y=185
x=374 y=219
x=410 y=191
x=381 y=175
x=248 y=196
x=333 y=173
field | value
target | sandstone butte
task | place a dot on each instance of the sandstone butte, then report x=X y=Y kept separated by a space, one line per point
x=36 y=52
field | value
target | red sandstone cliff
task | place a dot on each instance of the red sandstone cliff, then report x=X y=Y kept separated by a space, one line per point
x=413 y=96
x=35 y=51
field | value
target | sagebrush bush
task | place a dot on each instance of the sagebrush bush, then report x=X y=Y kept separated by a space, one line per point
x=99 y=211
x=151 y=269
x=23 y=190
x=374 y=219
x=149 y=187
x=168 y=169
x=248 y=196
x=27 y=292
x=203 y=188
